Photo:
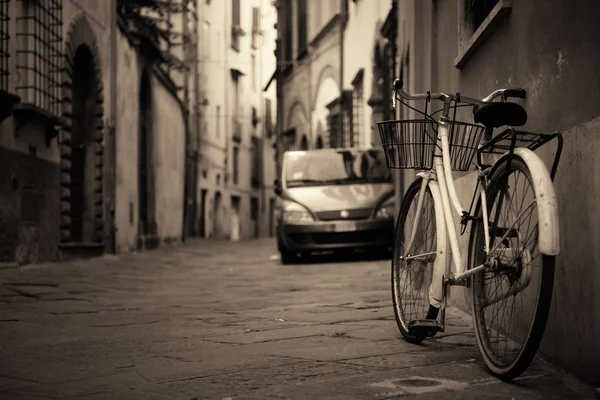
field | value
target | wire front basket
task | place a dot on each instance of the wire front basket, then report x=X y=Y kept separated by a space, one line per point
x=410 y=144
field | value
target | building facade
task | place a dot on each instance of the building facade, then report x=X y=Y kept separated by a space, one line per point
x=332 y=68
x=94 y=135
x=335 y=59
x=56 y=109
x=549 y=49
x=236 y=160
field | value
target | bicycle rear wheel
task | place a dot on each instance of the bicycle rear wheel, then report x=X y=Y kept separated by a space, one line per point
x=411 y=279
x=510 y=303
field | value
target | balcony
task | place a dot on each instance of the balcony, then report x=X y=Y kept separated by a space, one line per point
x=236 y=134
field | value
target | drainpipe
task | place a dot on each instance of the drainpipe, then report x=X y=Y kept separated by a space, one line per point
x=342 y=30
x=112 y=140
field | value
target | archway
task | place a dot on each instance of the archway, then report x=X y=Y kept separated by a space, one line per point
x=304 y=143
x=146 y=197
x=319 y=142
x=82 y=139
x=82 y=164
x=327 y=92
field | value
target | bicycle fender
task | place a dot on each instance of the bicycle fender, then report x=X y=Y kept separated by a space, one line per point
x=436 y=290
x=548 y=229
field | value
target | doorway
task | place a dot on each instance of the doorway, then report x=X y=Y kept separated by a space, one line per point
x=235 y=218
x=83 y=159
x=202 y=222
x=147 y=226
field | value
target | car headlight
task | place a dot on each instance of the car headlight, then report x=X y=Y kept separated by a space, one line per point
x=294 y=213
x=386 y=211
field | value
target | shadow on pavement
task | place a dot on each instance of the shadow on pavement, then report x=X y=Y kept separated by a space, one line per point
x=343 y=257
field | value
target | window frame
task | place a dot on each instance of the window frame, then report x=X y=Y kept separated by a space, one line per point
x=468 y=40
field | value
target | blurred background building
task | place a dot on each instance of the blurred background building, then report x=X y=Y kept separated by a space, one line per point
x=131 y=123
x=237 y=164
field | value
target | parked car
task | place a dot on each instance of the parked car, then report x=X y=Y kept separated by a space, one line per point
x=332 y=200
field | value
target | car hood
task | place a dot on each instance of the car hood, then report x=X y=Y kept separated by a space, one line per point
x=340 y=197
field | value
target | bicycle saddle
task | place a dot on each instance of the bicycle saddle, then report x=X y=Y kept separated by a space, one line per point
x=494 y=115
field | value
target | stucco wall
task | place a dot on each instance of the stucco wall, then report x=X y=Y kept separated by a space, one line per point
x=168 y=131
x=169 y=161
x=557 y=63
x=128 y=82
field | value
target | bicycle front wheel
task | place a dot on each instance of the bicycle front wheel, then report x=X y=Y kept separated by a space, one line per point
x=411 y=279
x=510 y=301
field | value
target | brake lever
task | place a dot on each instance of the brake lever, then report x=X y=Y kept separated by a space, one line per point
x=394 y=98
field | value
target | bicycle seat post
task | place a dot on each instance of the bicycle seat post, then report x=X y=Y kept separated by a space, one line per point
x=447 y=99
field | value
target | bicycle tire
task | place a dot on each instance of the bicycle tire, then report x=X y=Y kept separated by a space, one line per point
x=509 y=370
x=410 y=198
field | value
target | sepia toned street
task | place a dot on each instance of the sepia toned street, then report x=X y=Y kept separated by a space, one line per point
x=222 y=320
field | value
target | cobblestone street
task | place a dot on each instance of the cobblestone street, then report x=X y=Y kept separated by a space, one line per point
x=222 y=320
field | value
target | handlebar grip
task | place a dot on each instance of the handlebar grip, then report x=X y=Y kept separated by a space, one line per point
x=515 y=92
x=398 y=84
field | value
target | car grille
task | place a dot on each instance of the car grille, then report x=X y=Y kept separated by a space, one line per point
x=356 y=214
x=324 y=238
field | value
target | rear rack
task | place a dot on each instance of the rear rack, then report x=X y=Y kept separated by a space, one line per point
x=510 y=138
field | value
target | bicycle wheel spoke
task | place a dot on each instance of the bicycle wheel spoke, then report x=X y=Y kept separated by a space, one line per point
x=506 y=298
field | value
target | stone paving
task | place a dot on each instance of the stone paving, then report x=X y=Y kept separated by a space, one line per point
x=221 y=320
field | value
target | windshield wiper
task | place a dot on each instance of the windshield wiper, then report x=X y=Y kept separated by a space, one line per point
x=302 y=181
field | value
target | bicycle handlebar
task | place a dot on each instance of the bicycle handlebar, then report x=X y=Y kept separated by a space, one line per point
x=508 y=92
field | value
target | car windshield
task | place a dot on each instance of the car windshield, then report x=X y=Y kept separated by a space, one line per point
x=339 y=167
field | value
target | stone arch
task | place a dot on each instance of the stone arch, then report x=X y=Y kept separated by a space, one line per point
x=296 y=109
x=327 y=92
x=81 y=147
x=298 y=120
x=328 y=72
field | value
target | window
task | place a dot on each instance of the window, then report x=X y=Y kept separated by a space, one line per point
x=255 y=167
x=358 y=109
x=253 y=71
x=477 y=19
x=236 y=165
x=269 y=119
x=237 y=129
x=39 y=40
x=476 y=11
x=218 y=121
x=286 y=34
x=255 y=26
x=302 y=28
x=4 y=38
x=207 y=39
x=236 y=28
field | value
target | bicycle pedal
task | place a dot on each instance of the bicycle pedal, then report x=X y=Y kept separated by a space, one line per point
x=424 y=327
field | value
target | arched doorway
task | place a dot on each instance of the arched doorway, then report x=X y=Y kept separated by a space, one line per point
x=146 y=213
x=304 y=143
x=82 y=150
x=319 y=142
x=82 y=139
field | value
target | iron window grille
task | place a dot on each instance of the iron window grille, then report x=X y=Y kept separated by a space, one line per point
x=4 y=40
x=39 y=36
x=357 y=115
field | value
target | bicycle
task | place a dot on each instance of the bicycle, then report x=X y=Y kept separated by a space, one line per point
x=499 y=249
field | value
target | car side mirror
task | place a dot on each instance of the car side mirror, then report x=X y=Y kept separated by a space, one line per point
x=277 y=187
